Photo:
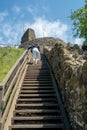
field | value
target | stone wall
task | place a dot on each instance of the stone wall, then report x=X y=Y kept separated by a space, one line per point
x=69 y=65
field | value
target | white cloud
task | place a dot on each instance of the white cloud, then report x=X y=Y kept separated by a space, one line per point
x=46 y=28
x=29 y=9
x=12 y=33
x=32 y=10
x=16 y=9
x=1 y=40
x=2 y=16
x=79 y=41
x=7 y=29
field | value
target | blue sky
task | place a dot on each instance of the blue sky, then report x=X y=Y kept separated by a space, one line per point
x=48 y=18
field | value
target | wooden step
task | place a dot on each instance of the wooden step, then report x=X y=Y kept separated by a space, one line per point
x=35 y=91
x=27 y=127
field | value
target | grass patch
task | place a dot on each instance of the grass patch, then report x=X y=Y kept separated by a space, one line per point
x=8 y=57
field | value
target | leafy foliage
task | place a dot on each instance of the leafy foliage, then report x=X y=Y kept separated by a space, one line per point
x=8 y=56
x=79 y=18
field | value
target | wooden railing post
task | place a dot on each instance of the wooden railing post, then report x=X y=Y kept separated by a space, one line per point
x=1 y=93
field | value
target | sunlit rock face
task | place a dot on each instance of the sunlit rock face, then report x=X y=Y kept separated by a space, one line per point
x=69 y=64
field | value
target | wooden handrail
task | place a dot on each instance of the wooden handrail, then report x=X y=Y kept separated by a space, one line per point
x=7 y=92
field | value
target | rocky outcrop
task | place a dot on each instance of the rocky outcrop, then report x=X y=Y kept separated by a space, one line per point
x=28 y=36
x=49 y=41
x=69 y=65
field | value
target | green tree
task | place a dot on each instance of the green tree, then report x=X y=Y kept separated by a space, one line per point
x=79 y=18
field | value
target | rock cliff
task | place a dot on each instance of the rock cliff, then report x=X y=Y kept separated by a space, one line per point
x=69 y=64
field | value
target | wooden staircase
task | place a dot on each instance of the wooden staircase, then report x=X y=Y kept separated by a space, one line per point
x=37 y=106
